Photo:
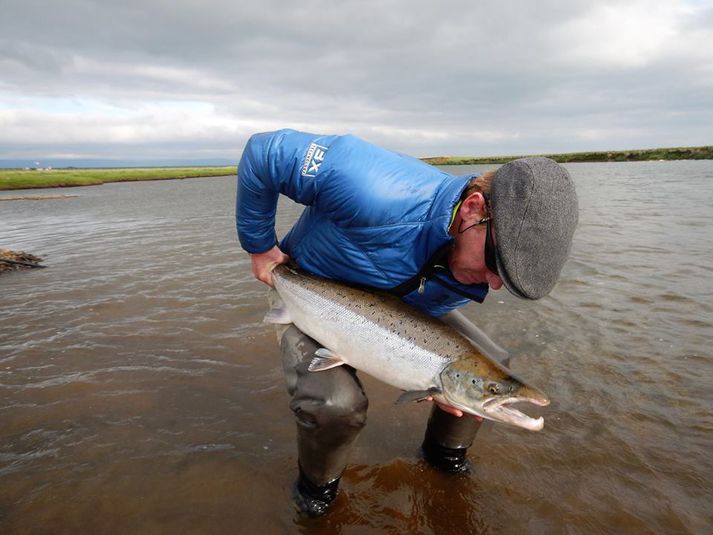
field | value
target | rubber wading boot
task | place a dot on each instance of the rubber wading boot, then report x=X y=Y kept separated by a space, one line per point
x=314 y=500
x=447 y=440
x=452 y=460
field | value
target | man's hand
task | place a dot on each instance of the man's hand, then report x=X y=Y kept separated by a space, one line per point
x=453 y=410
x=264 y=263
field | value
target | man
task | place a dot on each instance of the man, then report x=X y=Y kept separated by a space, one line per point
x=390 y=222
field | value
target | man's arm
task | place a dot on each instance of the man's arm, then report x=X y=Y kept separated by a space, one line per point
x=261 y=179
x=270 y=165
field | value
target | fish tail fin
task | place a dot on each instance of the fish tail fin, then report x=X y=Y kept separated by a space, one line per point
x=279 y=316
x=277 y=313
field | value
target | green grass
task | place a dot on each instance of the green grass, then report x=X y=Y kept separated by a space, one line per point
x=678 y=153
x=27 y=179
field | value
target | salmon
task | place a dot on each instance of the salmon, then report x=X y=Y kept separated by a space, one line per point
x=382 y=336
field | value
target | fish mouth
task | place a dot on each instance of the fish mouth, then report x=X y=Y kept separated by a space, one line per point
x=499 y=409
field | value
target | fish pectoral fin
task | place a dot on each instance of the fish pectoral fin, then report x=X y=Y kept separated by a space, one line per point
x=278 y=315
x=324 y=360
x=417 y=395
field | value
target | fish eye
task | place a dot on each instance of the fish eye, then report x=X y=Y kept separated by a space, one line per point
x=493 y=388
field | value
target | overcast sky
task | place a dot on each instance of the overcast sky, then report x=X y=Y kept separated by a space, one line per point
x=193 y=79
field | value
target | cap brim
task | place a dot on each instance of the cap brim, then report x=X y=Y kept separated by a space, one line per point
x=503 y=274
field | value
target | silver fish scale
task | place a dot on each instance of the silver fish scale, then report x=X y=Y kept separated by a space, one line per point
x=368 y=331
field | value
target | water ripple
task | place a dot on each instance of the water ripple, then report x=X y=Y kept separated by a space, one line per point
x=137 y=364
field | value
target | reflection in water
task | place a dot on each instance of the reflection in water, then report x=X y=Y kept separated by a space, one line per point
x=407 y=497
x=140 y=391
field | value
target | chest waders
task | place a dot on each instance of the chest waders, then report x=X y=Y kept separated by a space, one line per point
x=330 y=410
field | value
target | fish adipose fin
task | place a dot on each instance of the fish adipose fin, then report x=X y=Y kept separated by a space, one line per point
x=417 y=395
x=278 y=315
x=324 y=360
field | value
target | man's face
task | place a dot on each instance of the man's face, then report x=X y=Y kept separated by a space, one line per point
x=467 y=259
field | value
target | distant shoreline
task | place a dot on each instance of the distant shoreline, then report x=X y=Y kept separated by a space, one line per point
x=638 y=155
x=14 y=179
x=34 y=197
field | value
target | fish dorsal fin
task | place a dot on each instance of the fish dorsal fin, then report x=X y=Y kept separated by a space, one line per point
x=278 y=315
x=417 y=395
x=324 y=360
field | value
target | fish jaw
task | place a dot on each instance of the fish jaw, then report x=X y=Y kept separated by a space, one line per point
x=467 y=388
x=502 y=412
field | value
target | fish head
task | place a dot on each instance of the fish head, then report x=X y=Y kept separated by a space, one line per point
x=488 y=390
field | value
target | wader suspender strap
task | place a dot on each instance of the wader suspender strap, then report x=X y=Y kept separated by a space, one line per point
x=426 y=272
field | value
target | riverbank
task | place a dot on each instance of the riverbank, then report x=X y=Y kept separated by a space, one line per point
x=11 y=179
x=34 y=197
x=676 y=153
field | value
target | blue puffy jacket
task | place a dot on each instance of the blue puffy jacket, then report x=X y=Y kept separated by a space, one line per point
x=373 y=218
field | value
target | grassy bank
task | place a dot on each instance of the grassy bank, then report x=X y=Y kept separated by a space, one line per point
x=51 y=178
x=679 y=153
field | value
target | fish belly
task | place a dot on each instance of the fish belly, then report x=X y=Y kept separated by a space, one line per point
x=364 y=344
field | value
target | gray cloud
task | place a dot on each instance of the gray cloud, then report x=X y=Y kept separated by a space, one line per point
x=194 y=79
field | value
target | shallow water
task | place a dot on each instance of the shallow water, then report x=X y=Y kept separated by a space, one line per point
x=140 y=391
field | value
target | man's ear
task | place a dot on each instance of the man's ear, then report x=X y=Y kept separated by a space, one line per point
x=473 y=206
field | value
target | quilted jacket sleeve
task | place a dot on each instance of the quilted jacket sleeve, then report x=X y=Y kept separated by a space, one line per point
x=272 y=164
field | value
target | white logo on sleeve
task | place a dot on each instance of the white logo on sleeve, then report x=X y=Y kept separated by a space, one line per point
x=314 y=159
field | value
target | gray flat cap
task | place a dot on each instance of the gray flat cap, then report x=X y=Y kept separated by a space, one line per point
x=535 y=212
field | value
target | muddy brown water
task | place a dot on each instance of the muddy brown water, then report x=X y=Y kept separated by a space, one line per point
x=140 y=392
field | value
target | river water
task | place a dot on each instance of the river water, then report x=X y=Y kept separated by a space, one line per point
x=140 y=391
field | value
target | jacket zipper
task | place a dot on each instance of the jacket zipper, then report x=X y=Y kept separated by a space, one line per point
x=422 y=286
x=418 y=281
